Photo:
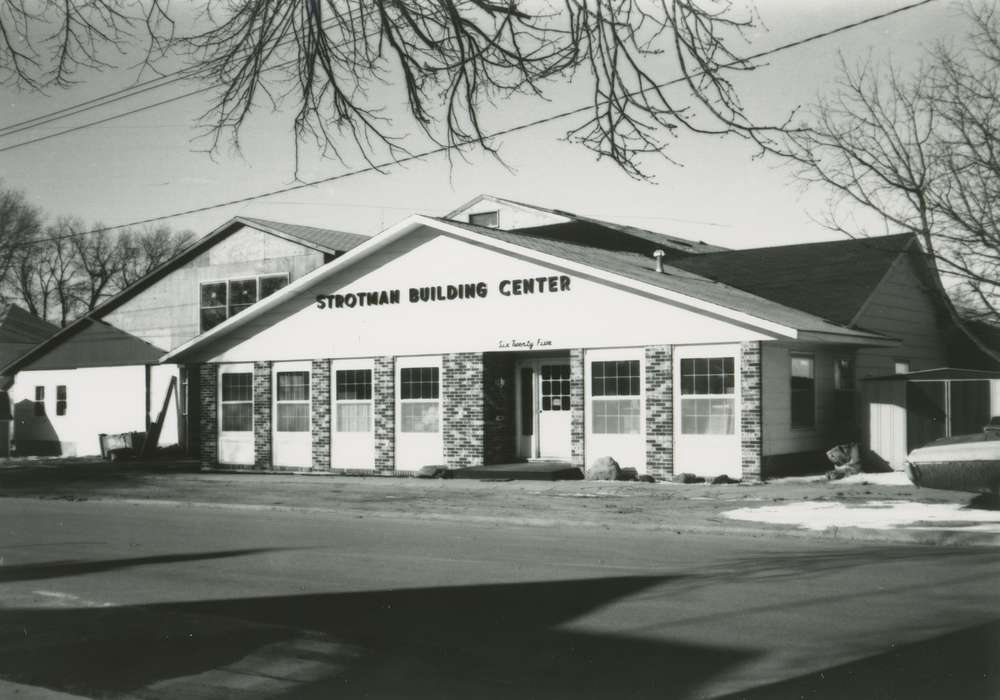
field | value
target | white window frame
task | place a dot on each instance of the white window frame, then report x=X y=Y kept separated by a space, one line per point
x=420 y=363
x=352 y=366
x=495 y=212
x=64 y=401
x=235 y=369
x=733 y=396
x=593 y=401
x=228 y=303
x=296 y=368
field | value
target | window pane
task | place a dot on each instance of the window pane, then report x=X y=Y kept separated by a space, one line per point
x=490 y=219
x=39 y=393
x=210 y=318
x=708 y=416
x=619 y=378
x=272 y=283
x=802 y=366
x=354 y=384
x=354 y=417
x=616 y=416
x=293 y=386
x=237 y=417
x=420 y=417
x=242 y=292
x=803 y=402
x=61 y=392
x=293 y=417
x=213 y=294
x=418 y=383
x=237 y=386
x=60 y=408
x=708 y=375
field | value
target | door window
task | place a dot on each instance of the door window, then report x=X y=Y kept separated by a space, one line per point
x=237 y=401
x=614 y=390
x=555 y=387
x=354 y=400
x=420 y=403
x=708 y=399
x=292 y=396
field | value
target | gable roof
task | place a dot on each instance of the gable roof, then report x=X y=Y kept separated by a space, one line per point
x=94 y=343
x=598 y=232
x=326 y=241
x=625 y=270
x=20 y=331
x=830 y=279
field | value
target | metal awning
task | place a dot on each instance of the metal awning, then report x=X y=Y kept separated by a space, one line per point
x=938 y=375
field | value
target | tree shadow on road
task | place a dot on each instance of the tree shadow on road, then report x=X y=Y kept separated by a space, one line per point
x=483 y=641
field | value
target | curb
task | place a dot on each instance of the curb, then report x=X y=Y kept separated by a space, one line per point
x=918 y=536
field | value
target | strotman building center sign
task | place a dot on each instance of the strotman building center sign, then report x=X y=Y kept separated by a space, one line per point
x=550 y=284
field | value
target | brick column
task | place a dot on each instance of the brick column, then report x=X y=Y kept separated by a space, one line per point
x=462 y=409
x=320 y=393
x=659 y=411
x=208 y=414
x=384 y=395
x=576 y=407
x=750 y=411
x=262 y=434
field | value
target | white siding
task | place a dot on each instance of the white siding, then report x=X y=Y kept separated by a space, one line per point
x=167 y=313
x=902 y=307
x=779 y=435
x=884 y=422
x=510 y=216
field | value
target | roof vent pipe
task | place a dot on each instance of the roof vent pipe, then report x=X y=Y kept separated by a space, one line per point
x=658 y=254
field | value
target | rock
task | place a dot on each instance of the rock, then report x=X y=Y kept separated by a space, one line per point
x=603 y=469
x=724 y=479
x=646 y=479
x=432 y=471
x=688 y=478
x=628 y=474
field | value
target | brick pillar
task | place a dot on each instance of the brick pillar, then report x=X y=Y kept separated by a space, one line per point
x=659 y=411
x=262 y=434
x=384 y=390
x=576 y=407
x=750 y=411
x=208 y=414
x=462 y=409
x=320 y=393
x=499 y=417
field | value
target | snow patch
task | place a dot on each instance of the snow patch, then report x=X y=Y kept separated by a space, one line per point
x=876 y=515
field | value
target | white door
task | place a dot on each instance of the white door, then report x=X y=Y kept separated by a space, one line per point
x=292 y=415
x=352 y=442
x=419 y=437
x=544 y=409
x=707 y=410
x=235 y=419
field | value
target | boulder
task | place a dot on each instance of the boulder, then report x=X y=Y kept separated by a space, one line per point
x=724 y=479
x=646 y=479
x=688 y=478
x=603 y=469
x=628 y=474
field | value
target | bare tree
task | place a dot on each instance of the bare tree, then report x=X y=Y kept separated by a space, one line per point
x=99 y=260
x=20 y=222
x=922 y=152
x=143 y=250
x=343 y=63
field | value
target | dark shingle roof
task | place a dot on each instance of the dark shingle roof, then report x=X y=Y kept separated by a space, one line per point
x=642 y=268
x=831 y=279
x=328 y=239
x=97 y=344
x=20 y=331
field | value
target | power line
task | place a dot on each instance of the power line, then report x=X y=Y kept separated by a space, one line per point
x=501 y=132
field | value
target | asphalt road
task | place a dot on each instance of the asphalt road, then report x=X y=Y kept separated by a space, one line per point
x=106 y=599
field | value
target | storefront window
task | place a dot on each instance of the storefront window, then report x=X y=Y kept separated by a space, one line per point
x=354 y=405
x=237 y=401
x=615 y=387
x=419 y=392
x=708 y=401
x=292 y=394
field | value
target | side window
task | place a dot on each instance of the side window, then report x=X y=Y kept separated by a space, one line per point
x=213 y=305
x=614 y=390
x=61 y=400
x=708 y=395
x=39 y=400
x=420 y=403
x=292 y=396
x=489 y=219
x=803 y=391
x=269 y=284
x=237 y=401
x=242 y=294
x=900 y=366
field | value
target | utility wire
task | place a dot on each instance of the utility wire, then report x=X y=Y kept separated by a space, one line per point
x=501 y=132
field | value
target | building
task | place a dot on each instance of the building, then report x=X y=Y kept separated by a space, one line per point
x=20 y=331
x=102 y=373
x=507 y=331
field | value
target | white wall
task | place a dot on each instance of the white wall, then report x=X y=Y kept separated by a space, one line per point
x=629 y=450
x=99 y=400
x=884 y=416
x=510 y=216
x=590 y=314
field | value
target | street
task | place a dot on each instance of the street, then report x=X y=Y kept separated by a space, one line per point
x=114 y=599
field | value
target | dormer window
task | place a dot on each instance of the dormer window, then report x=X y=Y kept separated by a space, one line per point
x=220 y=300
x=487 y=219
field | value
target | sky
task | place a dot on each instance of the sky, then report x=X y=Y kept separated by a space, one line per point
x=151 y=164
